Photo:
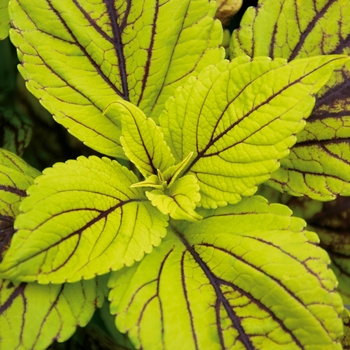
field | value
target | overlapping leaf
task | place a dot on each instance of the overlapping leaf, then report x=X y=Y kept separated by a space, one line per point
x=143 y=141
x=32 y=316
x=81 y=219
x=331 y=223
x=226 y=283
x=15 y=177
x=239 y=118
x=4 y=19
x=85 y=56
x=318 y=165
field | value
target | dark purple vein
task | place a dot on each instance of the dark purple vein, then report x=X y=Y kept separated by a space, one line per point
x=183 y=283
x=262 y=307
x=274 y=279
x=50 y=309
x=274 y=34
x=82 y=48
x=242 y=336
x=14 y=190
x=19 y=290
x=118 y=46
x=213 y=140
x=170 y=59
x=304 y=35
x=149 y=52
x=79 y=232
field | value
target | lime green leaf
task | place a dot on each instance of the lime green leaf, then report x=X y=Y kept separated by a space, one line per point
x=291 y=29
x=16 y=130
x=142 y=140
x=318 y=165
x=15 y=177
x=82 y=219
x=227 y=282
x=239 y=119
x=4 y=19
x=179 y=199
x=32 y=316
x=109 y=51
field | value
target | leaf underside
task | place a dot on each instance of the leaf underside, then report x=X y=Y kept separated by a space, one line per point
x=318 y=165
x=239 y=119
x=83 y=219
x=127 y=50
x=227 y=283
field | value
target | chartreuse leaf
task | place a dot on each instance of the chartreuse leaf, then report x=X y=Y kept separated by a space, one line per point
x=142 y=140
x=239 y=119
x=318 y=165
x=83 y=219
x=289 y=29
x=4 y=19
x=107 y=51
x=32 y=316
x=15 y=177
x=227 y=282
x=179 y=200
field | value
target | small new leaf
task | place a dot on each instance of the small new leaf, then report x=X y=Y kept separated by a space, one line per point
x=143 y=141
x=178 y=200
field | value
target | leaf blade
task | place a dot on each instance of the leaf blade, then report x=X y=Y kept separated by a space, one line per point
x=239 y=119
x=142 y=141
x=318 y=164
x=116 y=56
x=33 y=315
x=221 y=302
x=83 y=219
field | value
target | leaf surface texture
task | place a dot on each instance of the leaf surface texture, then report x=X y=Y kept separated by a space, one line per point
x=228 y=283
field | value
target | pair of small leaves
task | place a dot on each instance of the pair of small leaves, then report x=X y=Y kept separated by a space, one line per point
x=318 y=165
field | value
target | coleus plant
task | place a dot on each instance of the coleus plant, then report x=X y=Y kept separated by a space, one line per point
x=167 y=222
